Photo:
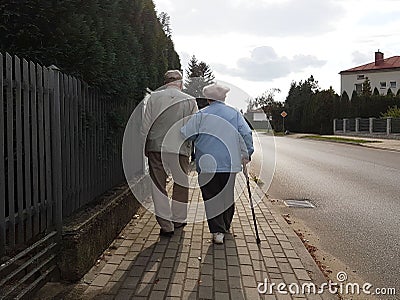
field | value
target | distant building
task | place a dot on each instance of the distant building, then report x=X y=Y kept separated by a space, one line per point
x=257 y=119
x=382 y=74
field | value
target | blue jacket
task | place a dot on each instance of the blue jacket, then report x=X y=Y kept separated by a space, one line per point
x=221 y=138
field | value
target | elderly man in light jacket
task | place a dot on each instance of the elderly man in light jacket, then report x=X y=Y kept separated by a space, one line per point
x=166 y=112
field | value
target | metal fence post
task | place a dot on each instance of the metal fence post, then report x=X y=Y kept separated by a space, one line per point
x=388 y=126
x=56 y=147
x=345 y=125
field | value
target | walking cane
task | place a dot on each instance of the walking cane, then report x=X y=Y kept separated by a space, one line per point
x=251 y=203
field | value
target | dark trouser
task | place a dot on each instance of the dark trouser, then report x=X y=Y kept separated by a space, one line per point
x=218 y=193
x=167 y=213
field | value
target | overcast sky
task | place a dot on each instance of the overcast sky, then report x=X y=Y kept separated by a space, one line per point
x=262 y=44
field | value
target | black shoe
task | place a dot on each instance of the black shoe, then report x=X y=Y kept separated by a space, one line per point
x=166 y=233
x=179 y=225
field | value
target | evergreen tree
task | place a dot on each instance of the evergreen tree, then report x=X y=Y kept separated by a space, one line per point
x=271 y=108
x=119 y=46
x=199 y=75
x=164 y=19
x=366 y=88
x=296 y=101
x=344 y=109
x=376 y=92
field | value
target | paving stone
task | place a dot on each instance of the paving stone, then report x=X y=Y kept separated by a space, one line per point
x=124 y=294
x=126 y=265
x=127 y=243
x=130 y=283
x=175 y=290
x=220 y=274
x=115 y=259
x=157 y=295
x=222 y=296
x=279 y=255
x=220 y=264
x=246 y=270
x=190 y=284
x=143 y=289
x=237 y=294
x=302 y=274
x=131 y=255
x=206 y=280
x=181 y=267
x=249 y=281
x=136 y=271
x=153 y=267
x=194 y=253
x=245 y=260
x=178 y=278
x=296 y=263
x=252 y=293
x=121 y=251
x=101 y=280
x=291 y=253
x=161 y=284
x=148 y=277
x=221 y=286
x=270 y=262
x=256 y=255
x=205 y=293
x=170 y=253
x=192 y=273
x=112 y=288
x=285 y=267
x=207 y=269
x=283 y=297
x=164 y=272
x=232 y=261
x=109 y=269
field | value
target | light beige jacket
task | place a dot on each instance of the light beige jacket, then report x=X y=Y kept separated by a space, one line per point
x=165 y=113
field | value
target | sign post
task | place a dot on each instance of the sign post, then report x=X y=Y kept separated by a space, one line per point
x=283 y=114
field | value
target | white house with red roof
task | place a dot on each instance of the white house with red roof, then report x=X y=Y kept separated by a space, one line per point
x=383 y=73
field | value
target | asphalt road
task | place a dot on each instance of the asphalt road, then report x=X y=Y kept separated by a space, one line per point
x=356 y=191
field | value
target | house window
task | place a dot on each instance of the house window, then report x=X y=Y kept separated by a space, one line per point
x=393 y=84
x=358 y=88
x=383 y=84
x=360 y=77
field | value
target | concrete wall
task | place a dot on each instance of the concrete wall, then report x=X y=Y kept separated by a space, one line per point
x=90 y=231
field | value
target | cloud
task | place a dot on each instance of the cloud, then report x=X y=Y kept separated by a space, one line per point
x=265 y=18
x=360 y=58
x=378 y=18
x=265 y=65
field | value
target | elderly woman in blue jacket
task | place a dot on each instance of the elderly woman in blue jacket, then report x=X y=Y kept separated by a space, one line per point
x=223 y=142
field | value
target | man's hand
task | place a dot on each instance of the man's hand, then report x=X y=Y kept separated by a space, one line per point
x=245 y=160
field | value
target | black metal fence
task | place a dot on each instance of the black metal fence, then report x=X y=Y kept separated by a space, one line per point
x=59 y=149
x=370 y=126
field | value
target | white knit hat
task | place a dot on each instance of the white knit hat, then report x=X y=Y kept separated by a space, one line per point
x=215 y=91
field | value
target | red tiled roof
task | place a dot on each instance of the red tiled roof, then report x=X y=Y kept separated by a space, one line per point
x=388 y=63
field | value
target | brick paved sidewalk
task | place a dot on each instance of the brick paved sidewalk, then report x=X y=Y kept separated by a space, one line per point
x=142 y=265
